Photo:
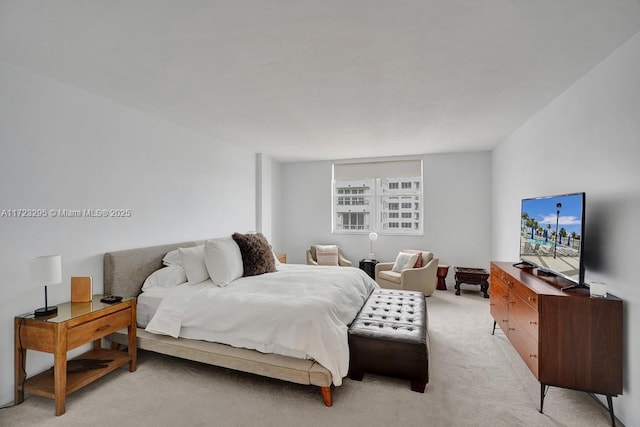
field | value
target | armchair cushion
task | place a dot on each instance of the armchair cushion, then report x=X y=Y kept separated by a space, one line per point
x=390 y=275
x=404 y=260
x=326 y=254
x=419 y=262
x=313 y=260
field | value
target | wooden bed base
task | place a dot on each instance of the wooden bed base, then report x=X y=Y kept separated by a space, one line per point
x=124 y=274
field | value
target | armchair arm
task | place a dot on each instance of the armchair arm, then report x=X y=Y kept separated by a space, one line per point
x=421 y=279
x=310 y=260
x=342 y=261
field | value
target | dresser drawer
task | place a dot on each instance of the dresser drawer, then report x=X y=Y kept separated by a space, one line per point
x=498 y=289
x=527 y=348
x=496 y=273
x=522 y=316
x=527 y=295
x=98 y=328
x=500 y=313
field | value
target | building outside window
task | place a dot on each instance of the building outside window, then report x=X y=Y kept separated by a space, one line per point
x=372 y=196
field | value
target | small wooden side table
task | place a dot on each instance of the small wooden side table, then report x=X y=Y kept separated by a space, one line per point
x=369 y=267
x=443 y=270
x=472 y=276
x=75 y=324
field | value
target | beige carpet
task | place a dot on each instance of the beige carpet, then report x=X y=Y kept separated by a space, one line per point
x=476 y=380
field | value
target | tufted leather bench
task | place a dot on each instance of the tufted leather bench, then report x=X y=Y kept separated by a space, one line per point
x=389 y=337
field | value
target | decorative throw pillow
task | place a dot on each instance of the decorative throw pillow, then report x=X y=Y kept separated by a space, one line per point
x=257 y=257
x=419 y=262
x=165 y=278
x=327 y=254
x=193 y=263
x=403 y=261
x=223 y=260
x=172 y=258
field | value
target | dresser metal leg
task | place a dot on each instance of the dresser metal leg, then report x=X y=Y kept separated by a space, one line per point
x=494 y=328
x=610 y=403
x=543 y=392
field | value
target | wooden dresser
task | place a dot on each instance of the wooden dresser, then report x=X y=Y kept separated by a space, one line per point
x=567 y=339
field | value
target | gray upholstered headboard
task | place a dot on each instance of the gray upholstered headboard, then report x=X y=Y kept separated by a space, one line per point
x=125 y=271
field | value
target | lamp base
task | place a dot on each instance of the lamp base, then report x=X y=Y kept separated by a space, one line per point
x=45 y=311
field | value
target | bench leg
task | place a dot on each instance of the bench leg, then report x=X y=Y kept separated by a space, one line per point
x=326 y=396
x=418 y=386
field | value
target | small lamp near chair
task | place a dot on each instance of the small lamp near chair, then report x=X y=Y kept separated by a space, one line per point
x=373 y=236
x=45 y=270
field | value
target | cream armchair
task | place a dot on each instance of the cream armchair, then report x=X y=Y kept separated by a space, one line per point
x=421 y=279
x=311 y=258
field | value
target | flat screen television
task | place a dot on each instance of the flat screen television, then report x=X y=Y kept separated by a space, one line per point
x=552 y=236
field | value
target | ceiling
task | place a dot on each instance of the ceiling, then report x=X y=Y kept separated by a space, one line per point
x=323 y=79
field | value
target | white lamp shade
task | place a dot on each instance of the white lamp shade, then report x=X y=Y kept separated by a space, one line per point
x=373 y=236
x=45 y=270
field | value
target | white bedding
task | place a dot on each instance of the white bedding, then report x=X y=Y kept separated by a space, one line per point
x=147 y=304
x=300 y=311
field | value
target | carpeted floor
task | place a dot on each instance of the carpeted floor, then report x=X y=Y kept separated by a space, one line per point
x=476 y=380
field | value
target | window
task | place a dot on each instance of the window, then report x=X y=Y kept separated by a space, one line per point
x=370 y=196
x=353 y=221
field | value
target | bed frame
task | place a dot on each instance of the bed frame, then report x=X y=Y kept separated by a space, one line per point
x=125 y=272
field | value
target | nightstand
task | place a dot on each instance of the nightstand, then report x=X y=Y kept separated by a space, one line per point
x=75 y=324
x=369 y=267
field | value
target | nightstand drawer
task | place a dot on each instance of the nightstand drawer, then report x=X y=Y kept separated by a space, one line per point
x=98 y=328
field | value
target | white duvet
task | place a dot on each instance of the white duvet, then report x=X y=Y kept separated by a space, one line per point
x=300 y=311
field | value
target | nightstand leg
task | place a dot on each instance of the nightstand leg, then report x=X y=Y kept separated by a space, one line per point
x=20 y=359
x=60 y=373
x=133 y=345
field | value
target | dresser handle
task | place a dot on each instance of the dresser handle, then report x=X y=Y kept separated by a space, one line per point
x=533 y=356
x=505 y=296
x=505 y=321
x=531 y=298
x=531 y=322
x=490 y=304
x=512 y=329
x=512 y=302
x=102 y=328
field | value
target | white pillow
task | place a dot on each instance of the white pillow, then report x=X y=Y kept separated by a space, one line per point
x=193 y=264
x=403 y=261
x=172 y=258
x=166 y=277
x=223 y=260
x=327 y=254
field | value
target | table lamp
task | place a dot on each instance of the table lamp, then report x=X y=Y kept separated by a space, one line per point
x=372 y=236
x=45 y=270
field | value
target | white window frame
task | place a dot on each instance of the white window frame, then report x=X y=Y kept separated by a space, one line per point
x=377 y=192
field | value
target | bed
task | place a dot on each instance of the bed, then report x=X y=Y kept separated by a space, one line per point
x=125 y=271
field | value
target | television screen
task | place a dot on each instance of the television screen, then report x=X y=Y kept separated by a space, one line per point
x=551 y=234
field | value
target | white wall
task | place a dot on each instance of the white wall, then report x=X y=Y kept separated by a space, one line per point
x=588 y=139
x=268 y=199
x=63 y=148
x=457 y=212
